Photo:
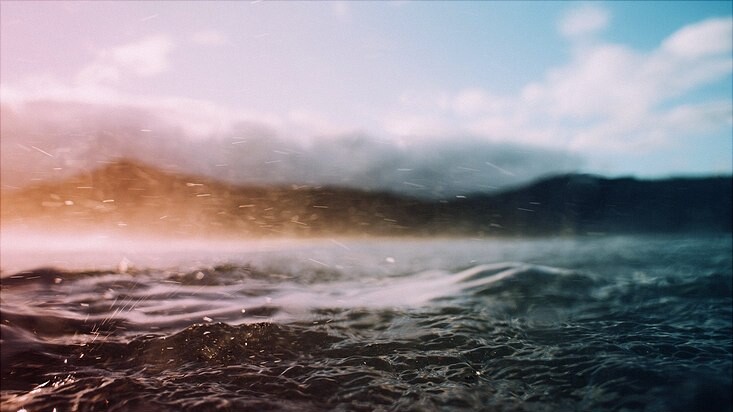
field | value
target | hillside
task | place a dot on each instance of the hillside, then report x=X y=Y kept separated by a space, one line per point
x=130 y=197
x=582 y=204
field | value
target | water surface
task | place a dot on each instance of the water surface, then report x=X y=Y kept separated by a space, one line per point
x=591 y=323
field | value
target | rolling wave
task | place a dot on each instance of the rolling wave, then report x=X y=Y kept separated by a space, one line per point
x=511 y=335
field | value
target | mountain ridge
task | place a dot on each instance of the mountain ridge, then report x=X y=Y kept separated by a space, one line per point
x=130 y=196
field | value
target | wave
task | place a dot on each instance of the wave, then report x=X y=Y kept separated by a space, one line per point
x=148 y=300
x=231 y=293
x=498 y=336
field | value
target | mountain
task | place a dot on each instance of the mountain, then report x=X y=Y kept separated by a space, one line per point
x=125 y=196
x=579 y=204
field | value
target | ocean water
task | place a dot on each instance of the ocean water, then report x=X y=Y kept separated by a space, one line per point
x=620 y=323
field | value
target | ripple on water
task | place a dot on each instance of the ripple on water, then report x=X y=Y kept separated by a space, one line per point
x=500 y=336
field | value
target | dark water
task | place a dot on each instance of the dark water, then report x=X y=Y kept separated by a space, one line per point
x=620 y=323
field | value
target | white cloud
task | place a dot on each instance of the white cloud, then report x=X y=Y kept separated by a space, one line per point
x=584 y=20
x=624 y=99
x=473 y=101
x=413 y=125
x=709 y=37
x=146 y=57
x=656 y=130
x=195 y=118
x=209 y=38
x=97 y=73
x=602 y=81
x=608 y=97
x=80 y=135
x=143 y=58
x=307 y=125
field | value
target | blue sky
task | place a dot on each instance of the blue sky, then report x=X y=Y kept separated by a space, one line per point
x=439 y=88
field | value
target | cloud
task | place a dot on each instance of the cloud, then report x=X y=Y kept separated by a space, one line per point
x=144 y=58
x=709 y=37
x=607 y=101
x=608 y=98
x=612 y=87
x=75 y=137
x=470 y=102
x=310 y=124
x=209 y=38
x=584 y=20
x=147 y=57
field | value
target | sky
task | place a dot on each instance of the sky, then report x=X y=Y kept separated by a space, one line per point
x=425 y=98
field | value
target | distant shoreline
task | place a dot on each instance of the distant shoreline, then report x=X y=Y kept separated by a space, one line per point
x=131 y=198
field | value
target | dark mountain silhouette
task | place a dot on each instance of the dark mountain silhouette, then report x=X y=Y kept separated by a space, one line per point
x=582 y=204
x=131 y=197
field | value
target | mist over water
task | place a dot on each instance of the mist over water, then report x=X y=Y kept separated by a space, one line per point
x=585 y=323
